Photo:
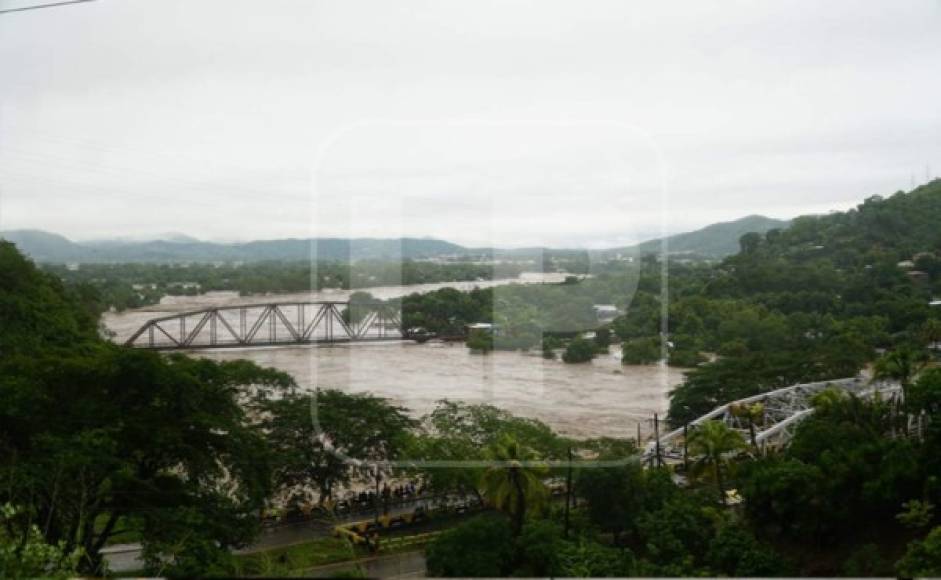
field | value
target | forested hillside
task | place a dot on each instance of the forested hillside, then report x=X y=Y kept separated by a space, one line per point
x=811 y=301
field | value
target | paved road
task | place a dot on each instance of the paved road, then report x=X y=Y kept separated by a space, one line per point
x=126 y=557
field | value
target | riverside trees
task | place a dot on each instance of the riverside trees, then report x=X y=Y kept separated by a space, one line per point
x=96 y=439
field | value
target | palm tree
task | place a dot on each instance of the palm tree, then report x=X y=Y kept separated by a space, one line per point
x=903 y=365
x=513 y=483
x=753 y=414
x=712 y=441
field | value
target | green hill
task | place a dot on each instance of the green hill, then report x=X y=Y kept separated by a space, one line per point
x=810 y=302
x=903 y=224
x=715 y=240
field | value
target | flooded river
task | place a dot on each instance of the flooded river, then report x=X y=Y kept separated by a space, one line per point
x=601 y=398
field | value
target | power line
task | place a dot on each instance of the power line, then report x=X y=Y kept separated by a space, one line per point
x=38 y=6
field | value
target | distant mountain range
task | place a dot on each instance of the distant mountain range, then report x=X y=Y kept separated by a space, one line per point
x=716 y=240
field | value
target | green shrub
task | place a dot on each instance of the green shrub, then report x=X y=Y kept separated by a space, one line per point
x=579 y=351
x=641 y=351
x=480 y=547
x=685 y=358
x=480 y=342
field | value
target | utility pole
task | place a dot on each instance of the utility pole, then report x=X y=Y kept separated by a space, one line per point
x=686 y=449
x=376 y=499
x=568 y=492
x=656 y=435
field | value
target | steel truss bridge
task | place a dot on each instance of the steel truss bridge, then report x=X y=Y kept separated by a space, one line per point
x=271 y=324
x=782 y=410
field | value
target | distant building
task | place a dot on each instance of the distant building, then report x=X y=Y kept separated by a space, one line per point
x=906 y=264
x=606 y=312
x=918 y=275
x=480 y=327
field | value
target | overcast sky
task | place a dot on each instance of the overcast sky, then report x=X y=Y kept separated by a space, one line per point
x=509 y=123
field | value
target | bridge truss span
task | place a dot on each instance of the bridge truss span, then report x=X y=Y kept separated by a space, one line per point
x=271 y=324
x=781 y=410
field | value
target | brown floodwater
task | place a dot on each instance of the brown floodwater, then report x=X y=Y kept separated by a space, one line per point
x=601 y=398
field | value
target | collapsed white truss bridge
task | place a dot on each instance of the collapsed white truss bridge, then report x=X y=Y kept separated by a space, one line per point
x=783 y=409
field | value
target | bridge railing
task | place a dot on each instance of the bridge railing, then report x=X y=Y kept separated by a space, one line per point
x=271 y=324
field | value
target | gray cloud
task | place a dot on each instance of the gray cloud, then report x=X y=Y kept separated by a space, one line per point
x=206 y=116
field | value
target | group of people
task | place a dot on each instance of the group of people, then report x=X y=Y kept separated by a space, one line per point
x=368 y=498
x=405 y=491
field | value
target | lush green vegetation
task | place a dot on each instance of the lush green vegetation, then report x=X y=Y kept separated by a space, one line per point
x=96 y=439
x=134 y=440
x=133 y=285
x=845 y=498
x=292 y=559
x=811 y=302
x=579 y=350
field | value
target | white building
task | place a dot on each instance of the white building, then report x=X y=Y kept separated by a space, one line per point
x=606 y=312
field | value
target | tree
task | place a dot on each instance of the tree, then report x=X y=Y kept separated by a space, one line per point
x=931 y=332
x=676 y=536
x=923 y=558
x=587 y=559
x=753 y=414
x=37 y=310
x=27 y=555
x=925 y=394
x=641 y=351
x=146 y=437
x=513 y=482
x=460 y=433
x=615 y=496
x=538 y=548
x=916 y=514
x=602 y=339
x=902 y=364
x=579 y=350
x=750 y=242
x=320 y=439
x=785 y=497
x=479 y=547
x=735 y=552
x=480 y=342
x=711 y=441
